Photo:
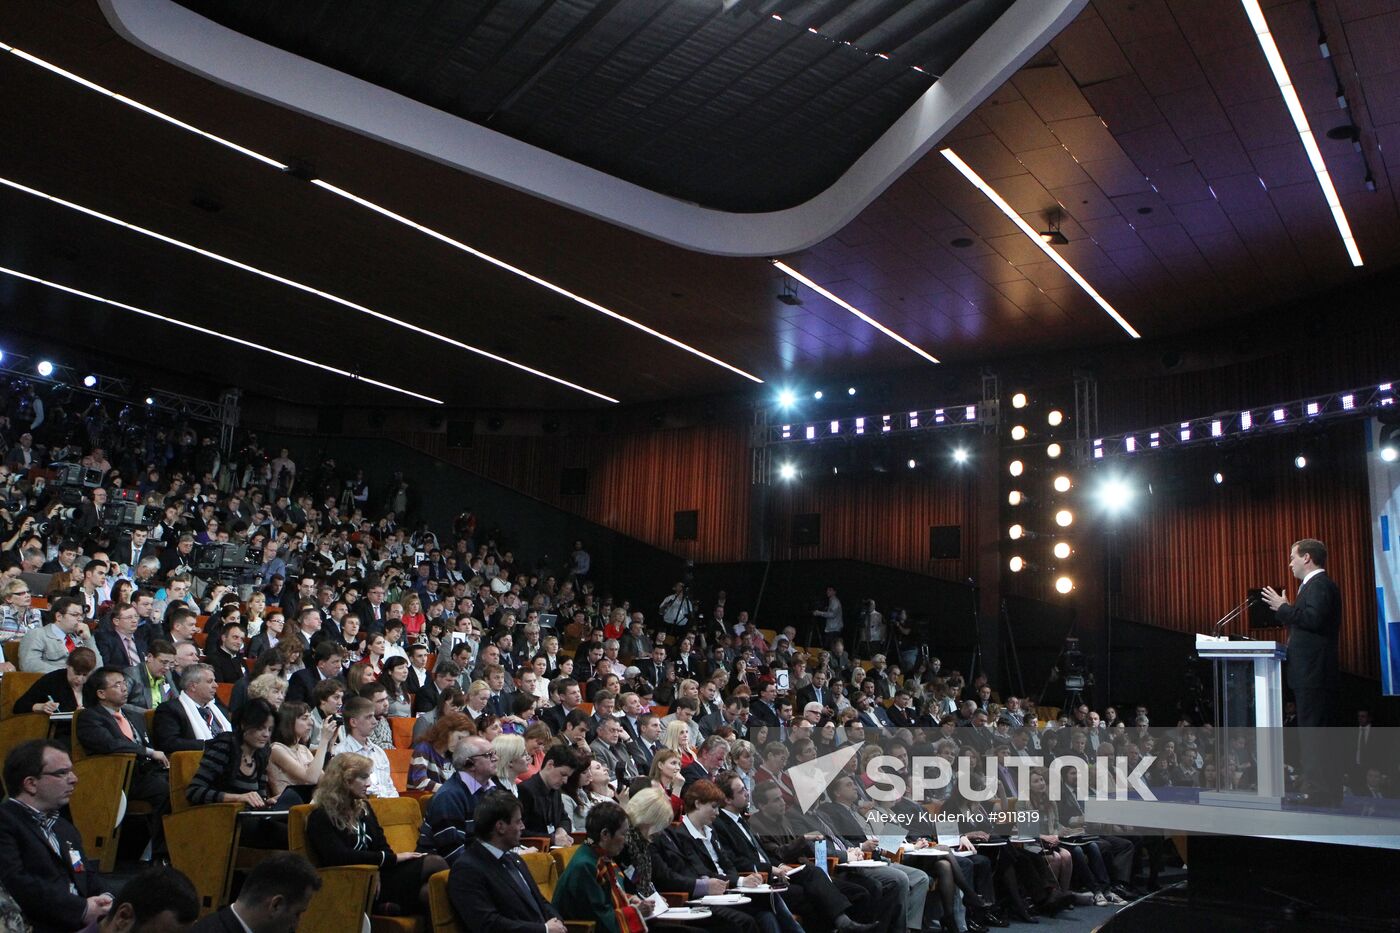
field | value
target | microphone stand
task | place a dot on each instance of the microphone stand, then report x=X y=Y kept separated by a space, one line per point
x=1231 y=616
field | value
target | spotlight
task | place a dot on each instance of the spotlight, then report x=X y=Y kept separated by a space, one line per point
x=1301 y=462
x=817 y=395
x=1015 y=532
x=787 y=398
x=89 y=381
x=1063 y=483
x=1014 y=497
x=45 y=368
x=1019 y=400
x=1064 y=585
x=1115 y=495
x=1389 y=453
x=913 y=463
x=1018 y=433
x=1017 y=564
x=1055 y=417
x=1053 y=451
x=2 y=356
x=1218 y=478
x=787 y=472
x=1064 y=518
x=1062 y=549
x=1017 y=467
x=851 y=390
x=150 y=400
x=960 y=455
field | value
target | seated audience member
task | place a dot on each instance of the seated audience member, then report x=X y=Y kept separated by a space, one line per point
x=17 y=616
x=541 y=800
x=343 y=830
x=234 y=769
x=490 y=888
x=41 y=854
x=269 y=662
x=447 y=826
x=194 y=716
x=329 y=659
x=47 y=647
x=227 y=658
x=382 y=734
x=274 y=896
x=109 y=726
x=445 y=675
x=152 y=682
x=326 y=701
x=591 y=887
x=158 y=900
x=360 y=722
x=294 y=763
x=122 y=644
x=60 y=690
x=432 y=757
x=451 y=700
x=394 y=680
x=513 y=759
x=665 y=776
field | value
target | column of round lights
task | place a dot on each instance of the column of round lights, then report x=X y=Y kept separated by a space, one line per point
x=1015 y=497
x=1061 y=486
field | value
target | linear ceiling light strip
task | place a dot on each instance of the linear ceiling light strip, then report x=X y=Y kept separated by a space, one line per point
x=214 y=333
x=843 y=303
x=1300 y=121
x=1034 y=237
x=499 y=263
x=516 y=270
x=291 y=283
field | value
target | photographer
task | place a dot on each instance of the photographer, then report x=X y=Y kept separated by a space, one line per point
x=677 y=609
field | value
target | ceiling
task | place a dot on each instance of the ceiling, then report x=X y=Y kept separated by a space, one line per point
x=1154 y=126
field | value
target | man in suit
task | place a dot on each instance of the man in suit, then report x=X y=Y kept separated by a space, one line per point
x=823 y=905
x=873 y=715
x=765 y=709
x=609 y=748
x=274 y=896
x=840 y=817
x=160 y=899
x=192 y=717
x=152 y=682
x=570 y=696
x=648 y=741
x=541 y=803
x=902 y=713
x=816 y=692
x=227 y=659
x=653 y=668
x=688 y=858
x=123 y=644
x=490 y=888
x=734 y=715
x=329 y=659
x=108 y=725
x=442 y=677
x=372 y=611
x=1314 y=620
x=41 y=853
x=47 y=647
x=709 y=760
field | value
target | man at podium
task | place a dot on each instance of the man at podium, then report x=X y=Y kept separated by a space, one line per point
x=1314 y=618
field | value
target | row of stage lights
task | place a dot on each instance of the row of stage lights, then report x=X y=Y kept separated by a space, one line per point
x=788 y=470
x=46 y=369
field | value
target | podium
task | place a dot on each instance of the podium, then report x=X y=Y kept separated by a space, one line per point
x=1248 y=698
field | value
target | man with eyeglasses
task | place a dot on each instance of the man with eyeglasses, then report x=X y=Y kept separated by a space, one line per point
x=151 y=683
x=41 y=854
x=47 y=648
x=448 y=823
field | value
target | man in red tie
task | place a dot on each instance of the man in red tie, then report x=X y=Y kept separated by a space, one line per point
x=47 y=647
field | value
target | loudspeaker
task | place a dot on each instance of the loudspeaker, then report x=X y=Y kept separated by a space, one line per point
x=807 y=529
x=330 y=421
x=573 y=481
x=945 y=542
x=461 y=433
x=688 y=525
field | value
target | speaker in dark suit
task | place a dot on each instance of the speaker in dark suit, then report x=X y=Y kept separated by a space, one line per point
x=51 y=887
x=1314 y=619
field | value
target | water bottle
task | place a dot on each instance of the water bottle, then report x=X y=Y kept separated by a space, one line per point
x=819 y=856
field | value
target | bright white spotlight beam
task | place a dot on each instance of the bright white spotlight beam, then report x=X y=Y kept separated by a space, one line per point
x=1010 y=212
x=299 y=286
x=111 y=303
x=842 y=303
x=1300 y=122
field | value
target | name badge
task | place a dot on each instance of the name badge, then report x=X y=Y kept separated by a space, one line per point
x=76 y=859
x=550 y=828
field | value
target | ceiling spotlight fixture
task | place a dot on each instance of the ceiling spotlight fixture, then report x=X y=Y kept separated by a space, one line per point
x=1064 y=585
x=1020 y=400
x=150 y=400
x=1016 y=467
x=1055 y=257
x=817 y=395
x=960 y=455
x=913 y=463
x=846 y=305
x=1064 y=518
x=1300 y=122
x=1052 y=235
x=45 y=368
x=787 y=398
x=1063 y=483
x=1061 y=550
x=89 y=381
x=1055 y=417
x=1115 y=495
x=1018 y=433
x=1389 y=453
x=1301 y=462
x=787 y=472
x=1217 y=478
x=788 y=295
x=851 y=390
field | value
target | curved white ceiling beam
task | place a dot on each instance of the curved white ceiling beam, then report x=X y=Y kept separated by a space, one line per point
x=184 y=38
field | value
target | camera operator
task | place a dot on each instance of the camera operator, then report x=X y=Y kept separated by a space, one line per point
x=677 y=609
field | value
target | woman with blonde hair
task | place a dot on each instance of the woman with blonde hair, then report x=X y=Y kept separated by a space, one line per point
x=743 y=762
x=648 y=813
x=666 y=777
x=268 y=686
x=512 y=760
x=478 y=695
x=677 y=739
x=342 y=830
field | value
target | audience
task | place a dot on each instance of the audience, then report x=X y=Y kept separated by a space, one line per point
x=490 y=888
x=274 y=895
